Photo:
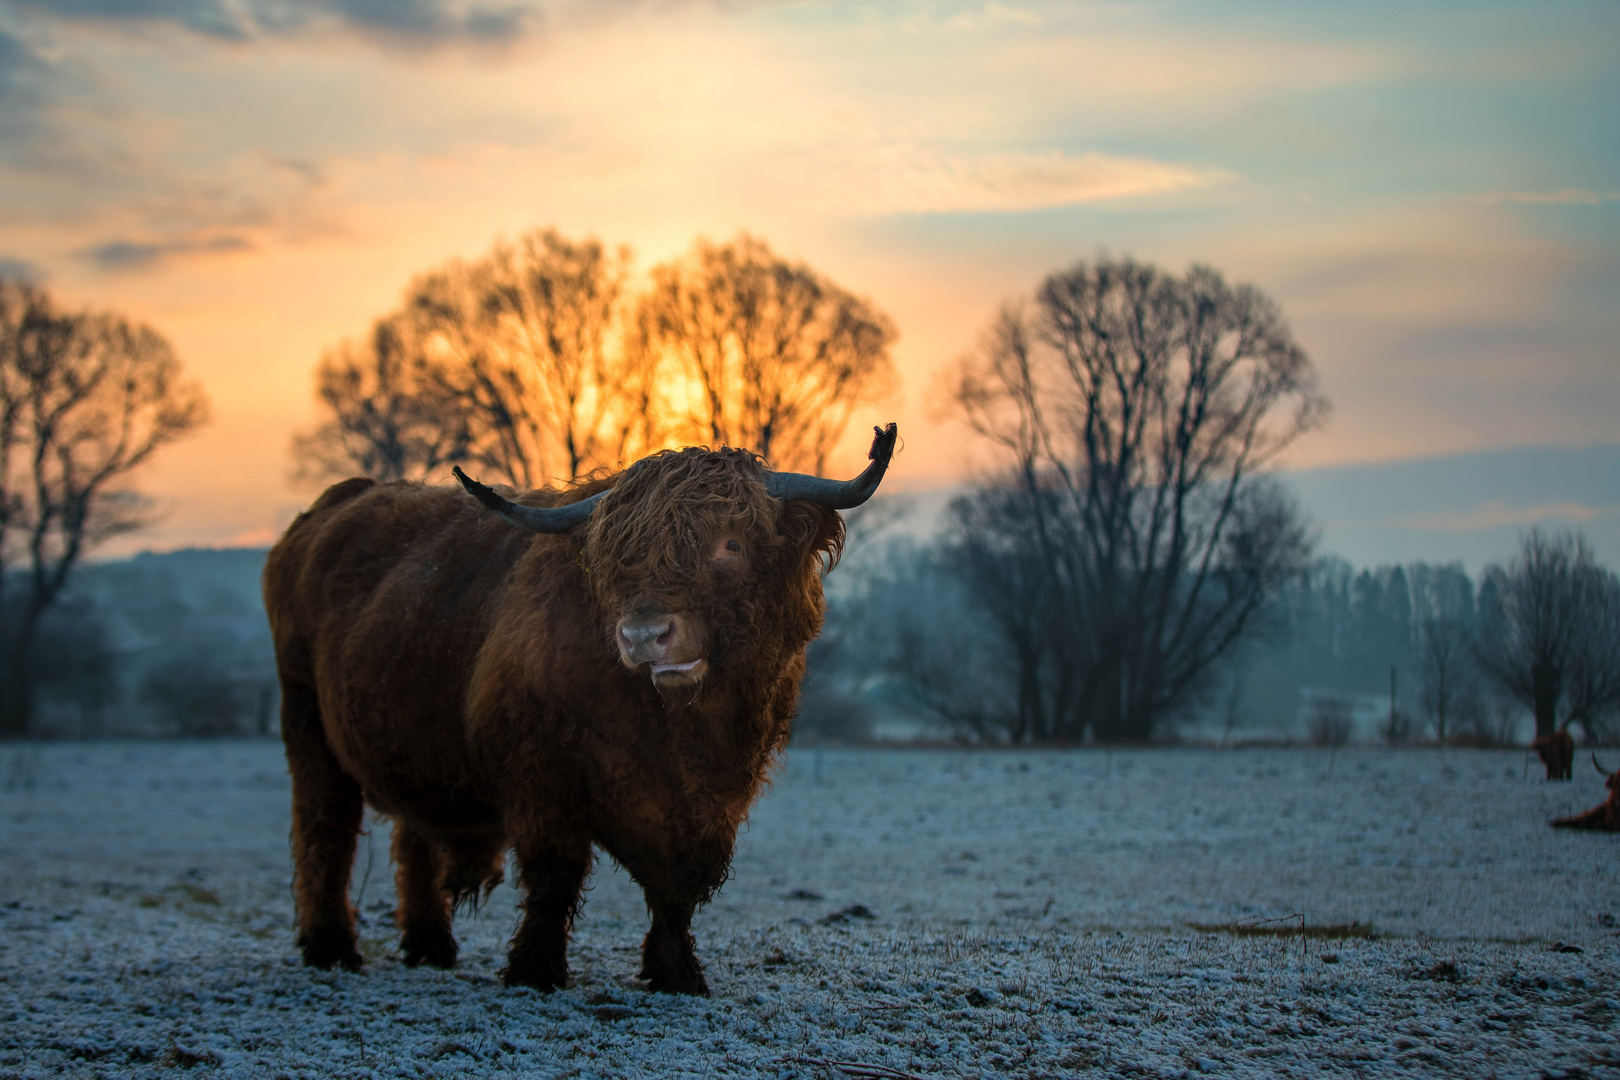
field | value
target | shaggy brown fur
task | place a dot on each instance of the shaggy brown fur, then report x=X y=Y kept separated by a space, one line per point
x=1604 y=817
x=1557 y=752
x=462 y=675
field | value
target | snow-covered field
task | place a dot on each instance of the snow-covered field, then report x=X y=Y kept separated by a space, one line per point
x=1030 y=914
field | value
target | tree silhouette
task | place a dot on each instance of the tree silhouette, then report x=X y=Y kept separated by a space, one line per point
x=531 y=364
x=1550 y=632
x=388 y=416
x=84 y=399
x=770 y=355
x=1135 y=409
x=517 y=362
x=1442 y=643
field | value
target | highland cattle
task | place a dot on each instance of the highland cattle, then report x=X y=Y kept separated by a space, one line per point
x=1557 y=753
x=1605 y=817
x=615 y=665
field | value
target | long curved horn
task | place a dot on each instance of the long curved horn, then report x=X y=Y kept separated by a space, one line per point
x=839 y=494
x=1600 y=768
x=537 y=519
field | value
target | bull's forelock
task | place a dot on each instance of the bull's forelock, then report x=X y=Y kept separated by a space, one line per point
x=650 y=529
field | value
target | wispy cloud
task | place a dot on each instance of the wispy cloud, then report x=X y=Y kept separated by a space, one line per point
x=142 y=254
x=902 y=178
x=1561 y=197
x=1496 y=515
x=409 y=22
x=19 y=269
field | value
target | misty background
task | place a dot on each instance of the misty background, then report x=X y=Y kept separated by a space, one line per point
x=176 y=643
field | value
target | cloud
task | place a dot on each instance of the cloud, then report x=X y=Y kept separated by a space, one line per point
x=141 y=255
x=15 y=58
x=901 y=178
x=1561 y=197
x=19 y=269
x=1496 y=514
x=408 y=22
x=21 y=71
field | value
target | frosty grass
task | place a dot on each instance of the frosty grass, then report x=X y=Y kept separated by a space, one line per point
x=892 y=913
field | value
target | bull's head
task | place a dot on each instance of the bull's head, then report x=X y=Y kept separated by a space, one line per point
x=695 y=552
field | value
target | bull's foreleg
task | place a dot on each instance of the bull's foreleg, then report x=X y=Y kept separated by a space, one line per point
x=674 y=887
x=327 y=810
x=551 y=880
x=424 y=907
x=669 y=960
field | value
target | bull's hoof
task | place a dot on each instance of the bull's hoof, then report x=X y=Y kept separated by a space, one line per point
x=542 y=977
x=685 y=976
x=436 y=948
x=329 y=947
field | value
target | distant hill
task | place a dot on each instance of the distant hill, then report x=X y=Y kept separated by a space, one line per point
x=159 y=644
x=206 y=578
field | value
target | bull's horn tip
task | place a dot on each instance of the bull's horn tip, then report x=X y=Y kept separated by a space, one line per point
x=883 y=441
x=482 y=492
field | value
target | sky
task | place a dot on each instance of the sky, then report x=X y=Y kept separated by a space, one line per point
x=1430 y=192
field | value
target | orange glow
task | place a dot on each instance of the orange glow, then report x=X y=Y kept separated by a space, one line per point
x=259 y=201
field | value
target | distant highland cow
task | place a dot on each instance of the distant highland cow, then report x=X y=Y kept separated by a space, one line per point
x=1557 y=752
x=1604 y=817
x=615 y=664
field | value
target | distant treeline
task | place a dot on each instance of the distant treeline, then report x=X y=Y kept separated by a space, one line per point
x=1398 y=653
x=158 y=645
x=177 y=644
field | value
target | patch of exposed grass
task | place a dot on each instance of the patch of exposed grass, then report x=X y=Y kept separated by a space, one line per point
x=198 y=895
x=1356 y=931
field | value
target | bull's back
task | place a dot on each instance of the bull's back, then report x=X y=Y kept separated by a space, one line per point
x=379 y=598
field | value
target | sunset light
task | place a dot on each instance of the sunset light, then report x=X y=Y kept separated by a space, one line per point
x=1429 y=195
x=809 y=539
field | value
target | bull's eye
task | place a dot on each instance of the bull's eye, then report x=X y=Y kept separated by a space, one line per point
x=733 y=545
x=726 y=549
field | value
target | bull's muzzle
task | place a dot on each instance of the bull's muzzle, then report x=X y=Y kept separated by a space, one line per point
x=663 y=646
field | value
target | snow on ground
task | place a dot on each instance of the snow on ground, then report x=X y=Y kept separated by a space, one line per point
x=1032 y=914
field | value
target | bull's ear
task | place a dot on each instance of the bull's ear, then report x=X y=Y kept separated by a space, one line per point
x=813 y=531
x=536 y=519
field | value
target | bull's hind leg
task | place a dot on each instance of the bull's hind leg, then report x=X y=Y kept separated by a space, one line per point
x=424 y=907
x=327 y=809
x=551 y=876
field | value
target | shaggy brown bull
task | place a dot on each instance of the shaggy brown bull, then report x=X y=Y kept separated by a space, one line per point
x=1606 y=816
x=615 y=664
x=1557 y=753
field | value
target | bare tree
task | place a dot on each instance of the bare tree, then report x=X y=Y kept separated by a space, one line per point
x=1550 y=632
x=1445 y=660
x=1136 y=409
x=1441 y=607
x=774 y=356
x=591 y=380
x=519 y=362
x=84 y=400
x=994 y=551
x=389 y=416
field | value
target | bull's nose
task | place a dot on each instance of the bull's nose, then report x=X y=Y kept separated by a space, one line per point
x=647 y=640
